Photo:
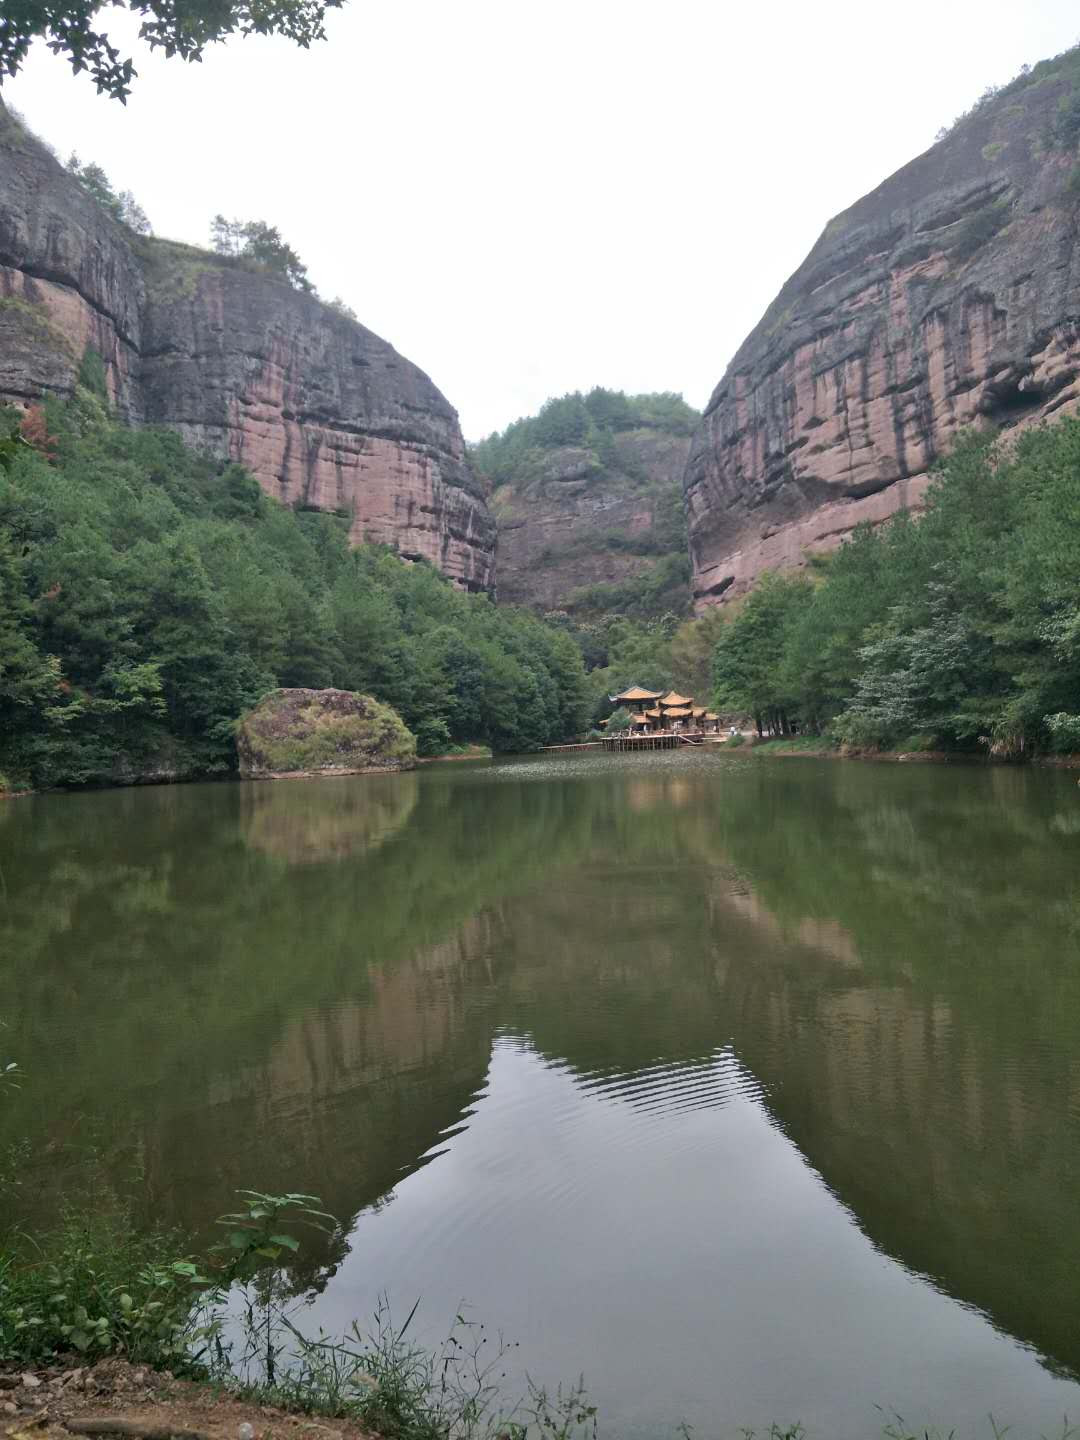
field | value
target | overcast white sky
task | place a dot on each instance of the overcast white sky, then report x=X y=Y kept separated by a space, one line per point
x=529 y=198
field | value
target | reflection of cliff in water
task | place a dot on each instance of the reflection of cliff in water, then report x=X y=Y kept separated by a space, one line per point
x=911 y=1027
x=892 y=953
x=348 y=1097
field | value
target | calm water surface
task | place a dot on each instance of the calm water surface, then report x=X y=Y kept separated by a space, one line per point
x=752 y=1088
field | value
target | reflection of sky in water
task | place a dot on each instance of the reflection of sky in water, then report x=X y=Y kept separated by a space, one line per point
x=763 y=1302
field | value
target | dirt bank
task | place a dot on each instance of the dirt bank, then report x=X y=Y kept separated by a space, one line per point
x=61 y=1401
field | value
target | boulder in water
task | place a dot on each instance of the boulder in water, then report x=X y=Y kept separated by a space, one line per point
x=322 y=732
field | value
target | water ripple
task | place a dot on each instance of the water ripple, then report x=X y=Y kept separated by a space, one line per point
x=669 y=1087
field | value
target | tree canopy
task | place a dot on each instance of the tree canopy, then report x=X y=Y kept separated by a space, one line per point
x=960 y=629
x=182 y=28
x=587 y=420
x=149 y=595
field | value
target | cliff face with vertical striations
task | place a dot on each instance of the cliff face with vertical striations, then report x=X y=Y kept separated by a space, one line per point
x=949 y=296
x=324 y=413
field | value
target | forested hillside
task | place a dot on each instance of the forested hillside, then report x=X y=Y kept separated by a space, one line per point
x=960 y=629
x=149 y=594
x=588 y=500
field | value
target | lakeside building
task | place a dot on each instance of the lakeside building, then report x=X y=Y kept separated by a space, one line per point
x=653 y=713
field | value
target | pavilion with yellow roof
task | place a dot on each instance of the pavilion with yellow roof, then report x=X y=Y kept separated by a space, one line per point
x=653 y=713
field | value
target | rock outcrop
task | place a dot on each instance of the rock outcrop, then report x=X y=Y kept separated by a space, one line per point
x=583 y=521
x=322 y=732
x=949 y=296
x=323 y=412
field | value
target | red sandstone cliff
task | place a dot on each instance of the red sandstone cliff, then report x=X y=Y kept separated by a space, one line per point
x=323 y=412
x=947 y=297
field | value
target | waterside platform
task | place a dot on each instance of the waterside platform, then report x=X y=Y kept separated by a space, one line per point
x=663 y=741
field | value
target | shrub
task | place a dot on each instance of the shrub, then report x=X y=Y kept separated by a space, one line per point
x=1064 y=730
x=96 y=1286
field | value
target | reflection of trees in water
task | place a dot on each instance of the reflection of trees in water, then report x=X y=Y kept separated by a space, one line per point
x=892 y=952
x=237 y=1022
x=305 y=824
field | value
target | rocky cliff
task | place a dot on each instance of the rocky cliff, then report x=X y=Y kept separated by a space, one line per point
x=947 y=297
x=587 y=496
x=581 y=522
x=323 y=412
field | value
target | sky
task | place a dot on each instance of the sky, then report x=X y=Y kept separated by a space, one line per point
x=526 y=198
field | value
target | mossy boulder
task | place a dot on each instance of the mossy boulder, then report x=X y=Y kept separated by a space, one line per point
x=322 y=732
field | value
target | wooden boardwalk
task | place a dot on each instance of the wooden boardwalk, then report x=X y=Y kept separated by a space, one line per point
x=630 y=742
x=563 y=749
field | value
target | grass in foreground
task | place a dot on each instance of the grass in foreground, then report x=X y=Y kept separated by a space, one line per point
x=94 y=1287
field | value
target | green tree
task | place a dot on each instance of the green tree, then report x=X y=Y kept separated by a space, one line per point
x=927 y=679
x=692 y=648
x=72 y=28
x=748 y=664
x=261 y=243
x=122 y=206
x=151 y=594
x=29 y=680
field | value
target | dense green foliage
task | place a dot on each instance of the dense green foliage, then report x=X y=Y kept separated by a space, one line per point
x=150 y=595
x=69 y=28
x=661 y=653
x=662 y=589
x=589 y=421
x=959 y=629
x=96 y=1285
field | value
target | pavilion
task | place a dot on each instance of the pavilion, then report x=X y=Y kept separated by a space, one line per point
x=635 y=696
x=654 y=713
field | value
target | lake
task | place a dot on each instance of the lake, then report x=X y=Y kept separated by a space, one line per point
x=750 y=1088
